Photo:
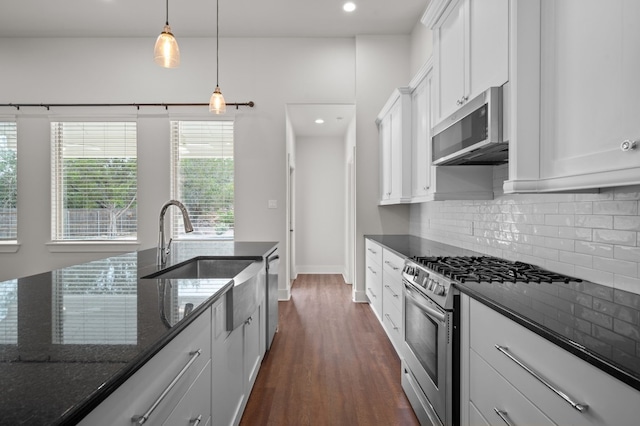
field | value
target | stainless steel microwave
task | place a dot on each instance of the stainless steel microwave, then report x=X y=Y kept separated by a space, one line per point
x=473 y=134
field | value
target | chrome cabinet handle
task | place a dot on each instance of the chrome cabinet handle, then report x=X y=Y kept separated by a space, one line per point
x=393 y=325
x=372 y=293
x=628 y=145
x=394 y=267
x=372 y=251
x=249 y=321
x=393 y=293
x=503 y=416
x=580 y=407
x=143 y=418
x=372 y=270
x=196 y=421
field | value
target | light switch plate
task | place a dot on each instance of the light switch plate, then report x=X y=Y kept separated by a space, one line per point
x=273 y=204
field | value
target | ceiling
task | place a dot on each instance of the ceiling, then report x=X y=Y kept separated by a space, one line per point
x=196 y=18
x=238 y=18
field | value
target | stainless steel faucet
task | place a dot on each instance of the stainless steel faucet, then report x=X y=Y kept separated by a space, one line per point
x=163 y=251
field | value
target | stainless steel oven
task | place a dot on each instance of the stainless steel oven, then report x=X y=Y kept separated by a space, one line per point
x=429 y=345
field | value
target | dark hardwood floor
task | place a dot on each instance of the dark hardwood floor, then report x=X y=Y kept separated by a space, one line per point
x=331 y=363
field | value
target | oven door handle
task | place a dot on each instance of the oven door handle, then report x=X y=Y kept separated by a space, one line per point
x=431 y=312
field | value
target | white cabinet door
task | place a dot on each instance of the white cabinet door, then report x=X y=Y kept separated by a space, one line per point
x=253 y=347
x=421 y=139
x=227 y=375
x=394 y=127
x=590 y=92
x=471 y=49
x=451 y=58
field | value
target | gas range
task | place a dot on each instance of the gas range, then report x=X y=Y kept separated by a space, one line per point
x=435 y=276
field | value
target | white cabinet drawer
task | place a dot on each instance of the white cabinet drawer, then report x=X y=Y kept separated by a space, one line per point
x=609 y=400
x=373 y=251
x=196 y=403
x=392 y=263
x=135 y=396
x=391 y=291
x=493 y=396
x=392 y=320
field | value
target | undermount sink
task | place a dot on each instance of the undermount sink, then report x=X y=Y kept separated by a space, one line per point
x=204 y=268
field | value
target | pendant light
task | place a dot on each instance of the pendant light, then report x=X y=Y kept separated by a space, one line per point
x=216 y=103
x=166 y=52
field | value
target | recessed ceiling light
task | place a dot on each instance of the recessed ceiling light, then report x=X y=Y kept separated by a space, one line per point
x=349 y=6
x=319 y=121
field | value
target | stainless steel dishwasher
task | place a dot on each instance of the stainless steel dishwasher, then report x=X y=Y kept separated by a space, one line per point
x=272 y=265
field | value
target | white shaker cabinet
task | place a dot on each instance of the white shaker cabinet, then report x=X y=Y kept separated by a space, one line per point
x=499 y=354
x=394 y=128
x=392 y=298
x=471 y=49
x=589 y=98
x=421 y=122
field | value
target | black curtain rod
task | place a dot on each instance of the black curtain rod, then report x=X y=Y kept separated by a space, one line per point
x=165 y=105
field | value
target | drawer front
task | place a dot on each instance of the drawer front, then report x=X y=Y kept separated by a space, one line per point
x=139 y=392
x=196 y=403
x=392 y=263
x=494 y=397
x=374 y=287
x=392 y=321
x=373 y=251
x=609 y=400
x=391 y=291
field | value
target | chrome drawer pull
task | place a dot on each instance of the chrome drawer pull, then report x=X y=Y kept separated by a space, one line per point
x=393 y=293
x=503 y=416
x=196 y=421
x=577 y=406
x=143 y=418
x=372 y=251
x=372 y=270
x=393 y=325
x=394 y=267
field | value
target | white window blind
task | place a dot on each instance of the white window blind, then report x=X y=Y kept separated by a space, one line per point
x=202 y=177
x=94 y=180
x=8 y=181
x=96 y=302
x=9 y=312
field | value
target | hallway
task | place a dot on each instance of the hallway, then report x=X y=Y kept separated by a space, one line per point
x=331 y=363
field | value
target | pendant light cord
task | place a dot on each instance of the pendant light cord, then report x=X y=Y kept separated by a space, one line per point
x=167 y=21
x=217 y=41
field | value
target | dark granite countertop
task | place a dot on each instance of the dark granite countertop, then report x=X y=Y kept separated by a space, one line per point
x=70 y=337
x=599 y=324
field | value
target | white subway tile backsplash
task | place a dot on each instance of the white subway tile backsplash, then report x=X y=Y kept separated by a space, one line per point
x=594 y=221
x=594 y=249
x=595 y=237
x=616 y=266
x=626 y=223
x=616 y=207
x=624 y=238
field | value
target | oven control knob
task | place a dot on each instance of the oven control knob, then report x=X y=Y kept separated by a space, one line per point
x=439 y=290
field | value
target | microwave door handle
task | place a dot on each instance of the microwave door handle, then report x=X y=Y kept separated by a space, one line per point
x=437 y=315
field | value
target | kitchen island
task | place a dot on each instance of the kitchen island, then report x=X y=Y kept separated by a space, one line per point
x=73 y=336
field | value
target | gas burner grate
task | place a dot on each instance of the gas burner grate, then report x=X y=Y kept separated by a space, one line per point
x=490 y=269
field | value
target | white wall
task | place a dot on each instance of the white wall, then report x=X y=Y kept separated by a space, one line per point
x=271 y=72
x=382 y=64
x=320 y=205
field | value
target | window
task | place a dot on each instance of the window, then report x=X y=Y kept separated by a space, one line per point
x=8 y=181
x=202 y=177
x=94 y=181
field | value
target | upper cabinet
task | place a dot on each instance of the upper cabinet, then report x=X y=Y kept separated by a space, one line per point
x=471 y=49
x=576 y=128
x=394 y=128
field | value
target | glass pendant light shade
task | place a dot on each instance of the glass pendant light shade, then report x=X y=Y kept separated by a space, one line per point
x=216 y=103
x=166 y=51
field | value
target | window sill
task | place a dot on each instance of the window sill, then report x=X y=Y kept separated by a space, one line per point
x=92 y=246
x=11 y=246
